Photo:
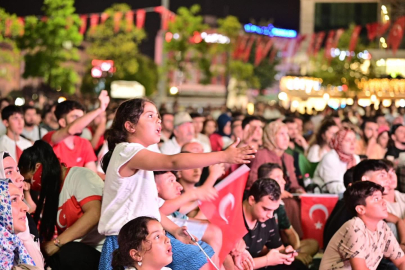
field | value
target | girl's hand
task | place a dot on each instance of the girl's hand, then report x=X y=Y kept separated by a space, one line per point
x=240 y=155
x=205 y=193
x=104 y=100
x=182 y=235
x=26 y=186
x=217 y=170
x=49 y=248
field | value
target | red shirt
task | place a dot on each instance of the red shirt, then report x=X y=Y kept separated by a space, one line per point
x=79 y=156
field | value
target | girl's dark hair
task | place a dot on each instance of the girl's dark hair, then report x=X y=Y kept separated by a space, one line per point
x=130 y=237
x=325 y=125
x=266 y=168
x=6 y=155
x=129 y=110
x=42 y=152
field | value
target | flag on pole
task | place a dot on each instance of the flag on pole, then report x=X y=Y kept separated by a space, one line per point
x=226 y=210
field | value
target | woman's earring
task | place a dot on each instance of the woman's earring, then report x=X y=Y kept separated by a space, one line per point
x=140 y=263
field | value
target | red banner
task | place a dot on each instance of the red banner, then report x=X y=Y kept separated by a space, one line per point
x=329 y=43
x=83 y=19
x=262 y=50
x=246 y=52
x=94 y=18
x=259 y=50
x=339 y=33
x=129 y=17
x=104 y=17
x=226 y=211
x=298 y=43
x=117 y=20
x=140 y=18
x=311 y=44
x=319 y=39
x=315 y=210
x=353 y=41
x=240 y=47
x=396 y=34
x=382 y=28
x=372 y=30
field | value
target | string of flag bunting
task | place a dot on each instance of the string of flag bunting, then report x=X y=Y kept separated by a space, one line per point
x=100 y=18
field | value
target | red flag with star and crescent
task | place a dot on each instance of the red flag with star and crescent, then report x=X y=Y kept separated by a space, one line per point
x=315 y=210
x=226 y=210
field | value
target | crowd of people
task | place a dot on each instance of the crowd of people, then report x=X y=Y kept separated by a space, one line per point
x=118 y=187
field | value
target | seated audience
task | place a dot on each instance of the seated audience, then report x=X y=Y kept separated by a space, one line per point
x=297 y=142
x=49 y=121
x=321 y=145
x=252 y=127
x=367 y=146
x=398 y=138
x=167 y=126
x=209 y=127
x=94 y=132
x=364 y=240
x=12 y=222
x=275 y=142
x=70 y=199
x=263 y=239
x=334 y=164
x=198 y=122
x=221 y=138
x=67 y=145
x=143 y=244
x=32 y=131
x=12 y=142
x=183 y=133
x=308 y=247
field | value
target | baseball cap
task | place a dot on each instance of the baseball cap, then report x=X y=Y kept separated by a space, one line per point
x=181 y=118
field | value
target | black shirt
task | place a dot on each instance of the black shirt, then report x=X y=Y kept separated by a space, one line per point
x=394 y=152
x=262 y=234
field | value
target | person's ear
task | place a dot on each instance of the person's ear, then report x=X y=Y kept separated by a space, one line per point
x=5 y=122
x=178 y=174
x=130 y=127
x=134 y=254
x=360 y=209
x=62 y=122
x=365 y=178
x=251 y=200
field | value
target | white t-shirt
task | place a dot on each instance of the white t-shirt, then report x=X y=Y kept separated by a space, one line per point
x=80 y=186
x=314 y=153
x=33 y=135
x=8 y=145
x=205 y=142
x=170 y=147
x=126 y=198
x=398 y=207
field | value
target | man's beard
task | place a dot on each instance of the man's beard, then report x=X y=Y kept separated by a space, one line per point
x=29 y=124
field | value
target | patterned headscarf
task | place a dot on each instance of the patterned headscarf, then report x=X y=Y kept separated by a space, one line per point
x=12 y=249
x=270 y=133
x=336 y=144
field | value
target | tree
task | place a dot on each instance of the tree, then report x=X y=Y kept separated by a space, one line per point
x=9 y=52
x=340 y=71
x=51 y=43
x=122 y=48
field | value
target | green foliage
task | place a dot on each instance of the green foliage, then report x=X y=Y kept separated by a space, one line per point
x=339 y=72
x=51 y=44
x=9 y=52
x=122 y=48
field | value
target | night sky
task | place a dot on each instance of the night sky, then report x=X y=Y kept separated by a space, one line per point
x=284 y=13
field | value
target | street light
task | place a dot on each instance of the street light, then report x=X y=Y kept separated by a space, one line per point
x=174 y=90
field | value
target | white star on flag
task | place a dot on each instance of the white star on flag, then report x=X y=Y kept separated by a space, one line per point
x=318 y=225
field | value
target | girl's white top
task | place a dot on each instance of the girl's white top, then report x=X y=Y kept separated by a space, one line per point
x=126 y=198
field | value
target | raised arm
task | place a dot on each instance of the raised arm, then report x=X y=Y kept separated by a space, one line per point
x=79 y=124
x=184 y=161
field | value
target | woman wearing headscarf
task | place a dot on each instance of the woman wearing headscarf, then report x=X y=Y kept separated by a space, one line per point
x=275 y=142
x=221 y=139
x=9 y=170
x=12 y=221
x=335 y=163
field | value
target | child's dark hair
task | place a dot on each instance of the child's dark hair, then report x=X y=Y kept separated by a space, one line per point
x=348 y=177
x=266 y=168
x=389 y=163
x=10 y=110
x=366 y=166
x=357 y=193
x=129 y=110
x=130 y=237
x=66 y=107
x=265 y=187
x=47 y=206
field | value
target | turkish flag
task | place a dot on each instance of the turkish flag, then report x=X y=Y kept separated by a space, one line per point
x=226 y=210
x=329 y=43
x=315 y=210
x=353 y=41
x=396 y=34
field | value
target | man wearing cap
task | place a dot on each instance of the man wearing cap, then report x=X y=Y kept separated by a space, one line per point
x=398 y=137
x=183 y=133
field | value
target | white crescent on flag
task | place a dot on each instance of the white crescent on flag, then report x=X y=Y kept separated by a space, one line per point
x=223 y=205
x=319 y=207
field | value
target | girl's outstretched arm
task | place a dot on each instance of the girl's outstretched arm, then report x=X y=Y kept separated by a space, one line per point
x=151 y=161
